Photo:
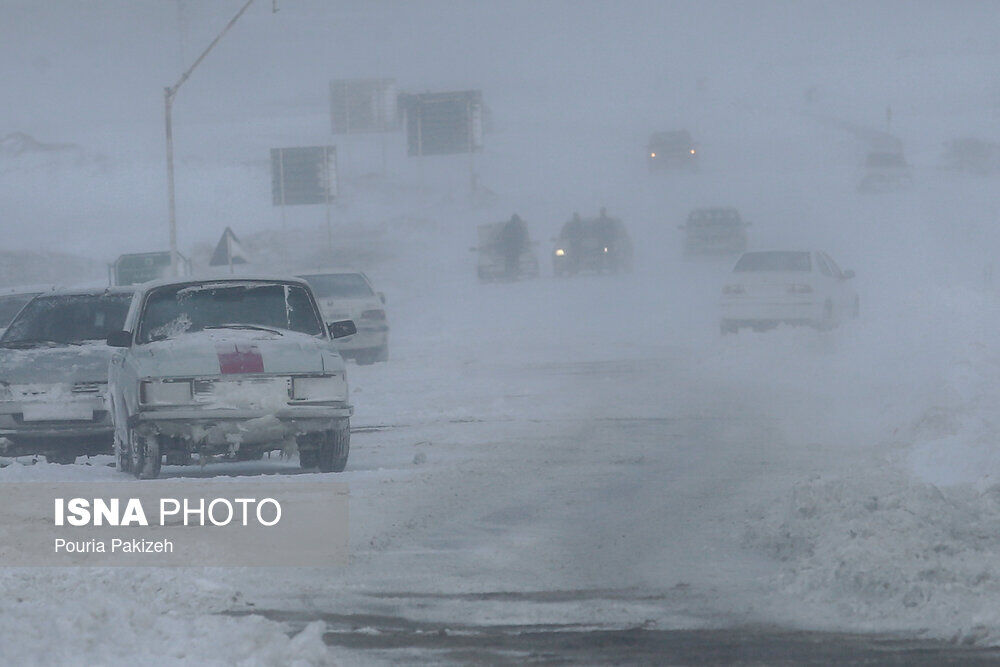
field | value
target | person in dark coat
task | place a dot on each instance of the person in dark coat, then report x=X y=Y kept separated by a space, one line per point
x=513 y=241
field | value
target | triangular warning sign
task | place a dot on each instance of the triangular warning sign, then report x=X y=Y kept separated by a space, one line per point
x=228 y=251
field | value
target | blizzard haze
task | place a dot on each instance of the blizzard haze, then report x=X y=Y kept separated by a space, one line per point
x=586 y=451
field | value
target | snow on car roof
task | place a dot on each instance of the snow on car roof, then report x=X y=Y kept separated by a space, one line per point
x=73 y=291
x=26 y=289
x=210 y=280
x=321 y=272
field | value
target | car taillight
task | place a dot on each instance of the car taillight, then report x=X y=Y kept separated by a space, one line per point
x=733 y=289
x=373 y=315
x=800 y=289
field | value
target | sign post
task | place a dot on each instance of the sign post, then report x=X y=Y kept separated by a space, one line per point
x=305 y=175
x=445 y=124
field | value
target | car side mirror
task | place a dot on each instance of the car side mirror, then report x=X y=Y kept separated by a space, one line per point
x=342 y=329
x=120 y=339
x=381 y=297
x=848 y=274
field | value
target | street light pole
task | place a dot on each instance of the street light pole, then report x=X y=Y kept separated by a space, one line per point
x=168 y=103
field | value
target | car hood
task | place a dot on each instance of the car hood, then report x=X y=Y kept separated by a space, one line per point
x=233 y=352
x=87 y=362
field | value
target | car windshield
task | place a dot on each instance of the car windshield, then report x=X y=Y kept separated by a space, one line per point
x=342 y=285
x=774 y=261
x=177 y=309
x=12 y=304
x=68 y=318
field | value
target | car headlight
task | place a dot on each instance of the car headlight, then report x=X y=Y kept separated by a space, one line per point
x=560 y=252
x=165 y=392
x=320 y=388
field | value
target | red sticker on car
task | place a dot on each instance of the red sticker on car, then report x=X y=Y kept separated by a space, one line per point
x=239 y=359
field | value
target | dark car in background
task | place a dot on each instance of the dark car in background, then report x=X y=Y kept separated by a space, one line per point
x=714 y=231
x=592 y=244
x=671 y=150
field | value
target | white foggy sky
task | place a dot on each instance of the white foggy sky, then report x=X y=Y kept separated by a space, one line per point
x=66 y=65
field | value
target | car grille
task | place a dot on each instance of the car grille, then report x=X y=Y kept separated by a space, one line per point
x=89 y=387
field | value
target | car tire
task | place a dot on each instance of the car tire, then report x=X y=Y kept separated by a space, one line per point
x=334 y=450
x=145 y=455
x=61 y=458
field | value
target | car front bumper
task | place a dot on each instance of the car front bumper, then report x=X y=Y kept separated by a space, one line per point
x=51 y=430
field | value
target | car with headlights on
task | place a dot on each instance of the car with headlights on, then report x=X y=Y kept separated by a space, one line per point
x=344 y=294
x=54 y=374
x=798 y=287
x=592 y=244
x=671 y=150
x=228 y=368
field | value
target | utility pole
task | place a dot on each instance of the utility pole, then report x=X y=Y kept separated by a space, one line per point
x=168 y=101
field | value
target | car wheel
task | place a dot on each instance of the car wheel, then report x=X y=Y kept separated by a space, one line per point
x=334 y=450
x=308 y=458
x=366 y=357
x=145 y=455
x=61 y=458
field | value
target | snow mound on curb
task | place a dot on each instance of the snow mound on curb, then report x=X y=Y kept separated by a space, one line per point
x=882 y=547
x=956 y=440
x=123 y=616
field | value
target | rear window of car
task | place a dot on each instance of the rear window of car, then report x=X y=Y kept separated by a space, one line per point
x=69 y=318
x=774 y=261
x=342 y=285
x=173 y=310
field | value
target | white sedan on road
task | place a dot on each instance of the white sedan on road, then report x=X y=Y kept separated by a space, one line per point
x=232 y=367
x=344 y=294
x=799 y=287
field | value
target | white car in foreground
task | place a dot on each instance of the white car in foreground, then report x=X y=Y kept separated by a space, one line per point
x=344 y=294
x=228 y=367
x=775 y=287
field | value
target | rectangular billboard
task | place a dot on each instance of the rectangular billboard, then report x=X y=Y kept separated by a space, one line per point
x=362 y=105
x=443 y=123
x=303 y=175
